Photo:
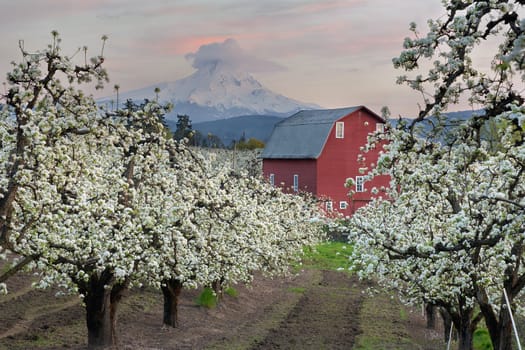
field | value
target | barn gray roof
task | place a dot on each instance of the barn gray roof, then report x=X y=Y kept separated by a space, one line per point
x=304 y=134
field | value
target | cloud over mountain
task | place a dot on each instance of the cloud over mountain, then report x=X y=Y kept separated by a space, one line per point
x=221 y=87
x=231 y=55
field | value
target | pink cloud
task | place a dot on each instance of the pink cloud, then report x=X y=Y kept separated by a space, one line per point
x=230 y=53
x=183 y=45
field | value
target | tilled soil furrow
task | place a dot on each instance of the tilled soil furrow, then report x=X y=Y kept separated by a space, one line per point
x=23 y=323
x=326 y=317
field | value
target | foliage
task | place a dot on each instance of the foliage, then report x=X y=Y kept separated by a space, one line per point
x=247 y=161
x=184 y=128
x=209 y=141
x=482 y=340
x=207 y=298
x=251 y=144
x=231 y=292
x=184 y=131
x=130 y=107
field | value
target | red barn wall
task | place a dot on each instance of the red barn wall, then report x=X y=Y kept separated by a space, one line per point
x=285 y=169
x=339 y=161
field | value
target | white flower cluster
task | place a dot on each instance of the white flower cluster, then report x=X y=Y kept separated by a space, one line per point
x=452 y=226
x=97 y=196
x=451 y=232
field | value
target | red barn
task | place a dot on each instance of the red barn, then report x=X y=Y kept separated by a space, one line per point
x=317 y=151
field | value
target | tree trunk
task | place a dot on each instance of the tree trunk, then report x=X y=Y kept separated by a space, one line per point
x=430 y=313
x=500 y=328
x=447 y=323
x=101 y=307
x=489 y=314
x=504 y=338
x=465 y=337
x=117 y=292
x=217 y=288
x=465 y=325
x=171 y=291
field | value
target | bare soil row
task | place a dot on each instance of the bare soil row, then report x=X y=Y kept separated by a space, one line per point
x=311 y=310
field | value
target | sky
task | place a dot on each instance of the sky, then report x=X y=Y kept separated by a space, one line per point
x=334 y=53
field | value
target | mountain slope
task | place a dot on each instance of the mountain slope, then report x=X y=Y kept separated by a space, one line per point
x=250 y=126
x=217 y=91
x=261 y=126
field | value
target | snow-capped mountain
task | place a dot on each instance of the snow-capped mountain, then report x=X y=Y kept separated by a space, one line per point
x=217 y=91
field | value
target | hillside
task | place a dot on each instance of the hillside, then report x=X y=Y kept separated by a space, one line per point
x=250 y=126
x=261 y=126
x=214 y=91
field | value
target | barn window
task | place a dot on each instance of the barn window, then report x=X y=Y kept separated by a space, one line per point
x=296 y=183
x=329 y=206
x=380 y=127
x=272 y=179
x=359 y=183
x=343 y=205
x=339 y=130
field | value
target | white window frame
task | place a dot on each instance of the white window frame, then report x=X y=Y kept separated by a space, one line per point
x=296 y=182
x=339 y=130
x=272 y=179
x=343 y=205
x=380 y=127
x=329 y=206
x=360 y=184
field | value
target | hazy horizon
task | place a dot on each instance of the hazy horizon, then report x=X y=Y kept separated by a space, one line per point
x=333 y=53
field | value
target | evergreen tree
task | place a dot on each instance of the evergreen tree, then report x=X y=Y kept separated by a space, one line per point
x=184 y=128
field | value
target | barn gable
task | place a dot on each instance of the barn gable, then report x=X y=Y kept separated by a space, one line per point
x=316 y=151
x=304 y=134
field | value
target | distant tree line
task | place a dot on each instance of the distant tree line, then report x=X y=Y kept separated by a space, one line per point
x=184 y=130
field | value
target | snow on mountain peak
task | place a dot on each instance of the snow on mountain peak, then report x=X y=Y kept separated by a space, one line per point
x=221 y=87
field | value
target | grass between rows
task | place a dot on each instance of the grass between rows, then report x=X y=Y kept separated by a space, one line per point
x=379 y=329
x=377 y=332
x=328 y=256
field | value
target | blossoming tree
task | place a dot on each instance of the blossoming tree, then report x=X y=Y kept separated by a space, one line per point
x=451 y=231
x=74 y=179
x=36 y=96
x=232 y=226
x=99 y=201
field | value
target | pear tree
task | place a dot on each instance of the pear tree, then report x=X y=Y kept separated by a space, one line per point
x=99 y=201
x=449 y=230
x=228 y=227
x=70 y=182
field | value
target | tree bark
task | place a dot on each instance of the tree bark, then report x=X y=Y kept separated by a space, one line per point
x=171 y=290
x=447 y=323
x=504 y=336
x=117 y=293
x=465 y=337
x=489 y=314
x=98 y=318
x=430 y=313
x=217 y=288
x=500 y=328
x=101 y=308
x=465 y=324
x=464 y=327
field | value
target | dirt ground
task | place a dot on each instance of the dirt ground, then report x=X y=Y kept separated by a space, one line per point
x=325 y=317
x=311 y=310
